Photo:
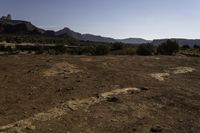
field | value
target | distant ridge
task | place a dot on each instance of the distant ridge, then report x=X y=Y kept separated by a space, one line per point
x=95 y=38
x=180 y=41
x=9 y=26
x=134 y=41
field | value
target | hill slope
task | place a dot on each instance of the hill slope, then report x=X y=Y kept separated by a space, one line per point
x=89 y=37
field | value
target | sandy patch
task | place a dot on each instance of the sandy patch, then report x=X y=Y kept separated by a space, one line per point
x=160 y=76
x=182 y=70
x=177 y=70
x=62 y=68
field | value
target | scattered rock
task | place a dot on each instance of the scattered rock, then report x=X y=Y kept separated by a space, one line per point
x=156 y=129
x=59 y=90
x=144 y=88
x=72 y=106
x=65 y=77
x=96 y=95
x=112 y=99
x=114 y=120
x=29 y=71
x=34 y=108
x=88 y=77
x=30 y=128
x=181 y=120
x=78 y=80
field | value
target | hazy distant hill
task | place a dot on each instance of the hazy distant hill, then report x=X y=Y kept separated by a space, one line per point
x=95 y=38
x=7 y=26
x=85 y=37
x=181 y=42
x=133 y=41
x=90 y=37
x=68 y=32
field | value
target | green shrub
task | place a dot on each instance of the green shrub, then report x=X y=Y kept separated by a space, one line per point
x=52 y=52
x=168 y=48
x=185 y=47
x=196 y=46
x=117 y=46
x=145 y=49
x=60 y=49
x=125 y=51
x=102 y=50
x=90 y=50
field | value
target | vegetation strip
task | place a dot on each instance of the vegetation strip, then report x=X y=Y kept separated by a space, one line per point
x=63 y=109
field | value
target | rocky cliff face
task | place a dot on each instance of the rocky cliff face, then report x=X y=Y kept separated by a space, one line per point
x=6 y=18
x=7 y=25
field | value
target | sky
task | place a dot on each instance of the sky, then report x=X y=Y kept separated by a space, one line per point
x=149 y=19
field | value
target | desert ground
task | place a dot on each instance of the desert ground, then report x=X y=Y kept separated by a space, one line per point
x=99 y=94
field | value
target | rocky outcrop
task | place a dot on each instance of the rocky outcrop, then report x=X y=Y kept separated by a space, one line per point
x=6 y=18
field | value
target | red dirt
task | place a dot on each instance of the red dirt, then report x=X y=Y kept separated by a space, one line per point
x=173 y=105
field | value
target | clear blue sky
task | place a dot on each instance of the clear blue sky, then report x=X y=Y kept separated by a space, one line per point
x=150 y=19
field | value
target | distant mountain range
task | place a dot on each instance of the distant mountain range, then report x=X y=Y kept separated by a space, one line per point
x=7 y=26
x=89 y=37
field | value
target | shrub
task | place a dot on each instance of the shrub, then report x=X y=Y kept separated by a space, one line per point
x=125 y=51
x=102 y=50
x=2 y=48
x=90 y=50
x=145 y=49
x=117 y=46
x=185 y=47
x=196 y=46
x=168 y=48
x=52 y=52
x=60 y=49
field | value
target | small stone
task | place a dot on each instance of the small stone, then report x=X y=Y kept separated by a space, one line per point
x=29 y=71
x=144 y=88
x=72 y=106
x=156 y=129
x=59 y=90
x=78 y=80
x=96 y=95
x=112 y=99
x=114 y=120
x=30 y=128
x=65 y=77
x=180 y=120
x=34 y=108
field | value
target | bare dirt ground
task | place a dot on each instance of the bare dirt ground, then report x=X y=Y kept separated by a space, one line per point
x=102 y=94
